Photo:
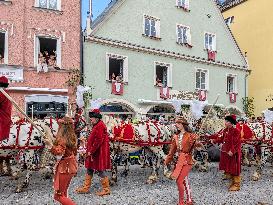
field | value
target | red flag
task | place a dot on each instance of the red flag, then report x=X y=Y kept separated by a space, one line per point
x=164 y=92
x=117 y=88
x=202 y=95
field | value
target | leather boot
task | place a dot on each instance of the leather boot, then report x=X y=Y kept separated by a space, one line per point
x=105 y=187
x=231 y=181
x=236 y=185
x=86 y=185
x=226 y=176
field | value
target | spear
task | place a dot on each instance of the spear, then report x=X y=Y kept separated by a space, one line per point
x=201 y=127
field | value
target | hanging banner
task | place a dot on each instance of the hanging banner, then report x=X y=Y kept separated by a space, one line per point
x=117 y=88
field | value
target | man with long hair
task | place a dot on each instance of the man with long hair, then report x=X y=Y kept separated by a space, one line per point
x=5 y=110
x=98 y=155
x=65 y=149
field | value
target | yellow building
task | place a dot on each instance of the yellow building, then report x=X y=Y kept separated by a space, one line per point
x=251 y=24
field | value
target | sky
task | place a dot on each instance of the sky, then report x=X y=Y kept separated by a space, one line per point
x=98 y=7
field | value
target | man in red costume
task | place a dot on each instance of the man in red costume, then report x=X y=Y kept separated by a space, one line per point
x=230 y=159
x=98 y=155
x=5 y=111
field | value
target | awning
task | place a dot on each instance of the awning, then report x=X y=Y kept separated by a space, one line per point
x=53 y=90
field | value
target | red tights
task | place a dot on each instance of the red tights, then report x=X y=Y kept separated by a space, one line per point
x=61 y=194
x=183 y=184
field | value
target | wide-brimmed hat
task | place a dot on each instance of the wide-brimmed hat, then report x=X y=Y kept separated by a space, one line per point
x=181 y=120
x=231 y=119
x=95 y=113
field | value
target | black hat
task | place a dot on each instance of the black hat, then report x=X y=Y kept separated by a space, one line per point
x=95 y=113
x=231 y=119
x=4 y=82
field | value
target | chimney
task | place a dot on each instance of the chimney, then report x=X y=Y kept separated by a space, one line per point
x=89 y=19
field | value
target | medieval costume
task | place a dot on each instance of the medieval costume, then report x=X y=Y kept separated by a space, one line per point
x=65 y=149
x=230 y=159
x=245 y=131
x=5 y=111
x=183 y=143
x=98 y=155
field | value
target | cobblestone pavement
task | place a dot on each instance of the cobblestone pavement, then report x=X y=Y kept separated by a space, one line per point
x=207 y=188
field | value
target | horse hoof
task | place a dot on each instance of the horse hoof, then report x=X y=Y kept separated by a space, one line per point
x=255 y=178
x=149 y=181
x=18 y=190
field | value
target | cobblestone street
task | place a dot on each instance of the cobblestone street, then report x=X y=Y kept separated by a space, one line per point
x=207 y=188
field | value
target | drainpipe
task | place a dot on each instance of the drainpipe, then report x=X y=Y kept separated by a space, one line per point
x=247 y=74
x=81 y=41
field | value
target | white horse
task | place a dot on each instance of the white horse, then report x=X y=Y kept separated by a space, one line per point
x=25 y=145
x=263 y=146
x=149 y=136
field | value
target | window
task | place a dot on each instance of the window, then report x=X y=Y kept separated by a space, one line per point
x=201 y=79
x=183 y=35
x=116 y=68
x=49 y=4
x=229 y=20
x=48 y=53
x=210 y=42
x=151 y=26
x=163 y=74
x=231 y=83
x=3 y=48
x=184 y=4
x=46 y=105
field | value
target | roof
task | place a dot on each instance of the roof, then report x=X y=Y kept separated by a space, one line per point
x=105 y=13
x=228 y=4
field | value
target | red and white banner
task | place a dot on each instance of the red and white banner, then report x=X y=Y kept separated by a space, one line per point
x=202 y=95
x=164 y=92
x=117 y=88
x=211 y=55
x=232 y=97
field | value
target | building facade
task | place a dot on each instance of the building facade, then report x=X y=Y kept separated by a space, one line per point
x=144 y=54
x=39 y=47
x=252 y=28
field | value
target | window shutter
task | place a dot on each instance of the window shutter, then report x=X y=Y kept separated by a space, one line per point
x=146 y=26
x=178 y=2
x=170 y=72
x=59 y=52
x=197 y=79
x=6 y=48
x=125 y=70
x=59 y=5
x=36 y=3
x=154 y=73
x=179 y=34
x=206 y=41
x=188 y=34
x=107 y=66
x=214 y=43
x=37 y=50
x=157 y=27
x=187 y=4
